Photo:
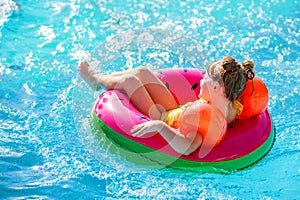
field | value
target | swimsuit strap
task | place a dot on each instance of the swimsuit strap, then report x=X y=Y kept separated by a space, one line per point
x=238 y=106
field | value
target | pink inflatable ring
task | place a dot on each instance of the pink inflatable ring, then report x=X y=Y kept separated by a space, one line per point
x=246 y=140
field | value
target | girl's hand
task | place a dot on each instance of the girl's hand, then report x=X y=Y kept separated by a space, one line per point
x=143 y=129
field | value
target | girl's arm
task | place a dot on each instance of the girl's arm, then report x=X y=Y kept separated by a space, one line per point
x=184 y=145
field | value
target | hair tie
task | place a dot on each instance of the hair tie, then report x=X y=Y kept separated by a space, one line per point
x=250 y=74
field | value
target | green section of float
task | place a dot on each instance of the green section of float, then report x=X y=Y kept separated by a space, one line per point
x=139 y=152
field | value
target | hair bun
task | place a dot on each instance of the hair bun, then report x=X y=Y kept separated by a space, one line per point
x=229 y=64
x=248 y=67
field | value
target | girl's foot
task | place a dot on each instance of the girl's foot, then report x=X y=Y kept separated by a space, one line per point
x=89 y=76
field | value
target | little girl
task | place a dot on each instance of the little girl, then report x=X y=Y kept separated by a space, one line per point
x=221 y=87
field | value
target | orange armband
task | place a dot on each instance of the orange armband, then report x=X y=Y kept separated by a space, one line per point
x=254 y=98
x=205 y=120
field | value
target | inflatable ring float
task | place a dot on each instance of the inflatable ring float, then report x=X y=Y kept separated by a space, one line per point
x=247 y=139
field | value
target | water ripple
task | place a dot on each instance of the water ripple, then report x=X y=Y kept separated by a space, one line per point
x=47 y=149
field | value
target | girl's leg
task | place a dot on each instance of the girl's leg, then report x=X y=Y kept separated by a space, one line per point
x=159 y=93
x=138 y=95
x=145 y=90
x=127 y=82
x=147 y=93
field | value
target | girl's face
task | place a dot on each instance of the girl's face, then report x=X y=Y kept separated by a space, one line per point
x=207 y=87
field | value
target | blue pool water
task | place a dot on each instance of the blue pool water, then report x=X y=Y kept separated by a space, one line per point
x=47 y=150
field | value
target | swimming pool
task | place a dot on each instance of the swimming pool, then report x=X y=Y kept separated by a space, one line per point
x=46 y=147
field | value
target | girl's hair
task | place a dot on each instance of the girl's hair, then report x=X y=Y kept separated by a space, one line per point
x=231 y=75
